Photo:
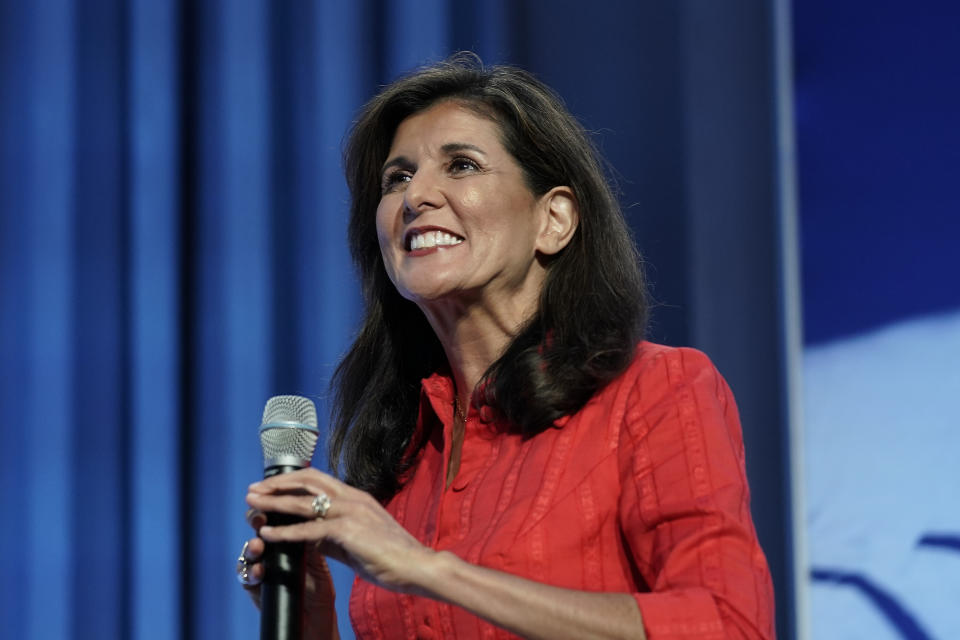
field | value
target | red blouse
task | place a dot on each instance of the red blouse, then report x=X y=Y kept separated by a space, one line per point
x=641 y=491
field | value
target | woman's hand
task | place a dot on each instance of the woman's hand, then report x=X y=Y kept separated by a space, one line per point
x=355 y=530
x=320 y=614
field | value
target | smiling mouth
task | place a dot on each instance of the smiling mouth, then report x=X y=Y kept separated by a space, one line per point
x=430 y=239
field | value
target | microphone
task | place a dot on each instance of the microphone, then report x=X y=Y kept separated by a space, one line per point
x=288 y=436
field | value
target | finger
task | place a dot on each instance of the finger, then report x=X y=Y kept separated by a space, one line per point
x=298 y=505
x=256 y=518
x=254 y=550
x=249 y=569
x=310 y=480
x=256 y=572
x=312 y=530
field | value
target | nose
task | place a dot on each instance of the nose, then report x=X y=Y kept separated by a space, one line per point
x=421 y=194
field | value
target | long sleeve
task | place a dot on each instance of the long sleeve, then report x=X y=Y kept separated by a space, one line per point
x=685 y=506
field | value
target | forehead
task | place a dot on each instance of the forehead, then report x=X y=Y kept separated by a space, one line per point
x=445 y=122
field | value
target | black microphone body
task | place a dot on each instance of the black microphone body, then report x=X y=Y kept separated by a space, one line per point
x=288 y=436
x=281 y=592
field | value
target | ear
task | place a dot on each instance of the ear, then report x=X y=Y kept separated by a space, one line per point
x=561 y=216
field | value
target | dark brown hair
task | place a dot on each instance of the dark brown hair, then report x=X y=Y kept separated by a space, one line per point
x=592 y=307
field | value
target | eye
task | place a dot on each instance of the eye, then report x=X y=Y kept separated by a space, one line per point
x=392 y=179
x=462 y=164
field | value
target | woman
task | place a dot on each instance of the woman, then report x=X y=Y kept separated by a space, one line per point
x=516 y=460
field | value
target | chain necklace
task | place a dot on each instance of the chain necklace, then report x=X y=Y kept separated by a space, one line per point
x=458 y=411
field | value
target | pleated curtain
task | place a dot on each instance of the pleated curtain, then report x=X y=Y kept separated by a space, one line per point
x=172 y=254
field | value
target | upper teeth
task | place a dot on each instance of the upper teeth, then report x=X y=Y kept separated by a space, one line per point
x=432 y=239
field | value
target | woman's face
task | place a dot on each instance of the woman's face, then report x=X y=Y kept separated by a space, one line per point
x=455 y=216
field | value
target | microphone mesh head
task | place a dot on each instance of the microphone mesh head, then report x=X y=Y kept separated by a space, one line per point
x=288 y=432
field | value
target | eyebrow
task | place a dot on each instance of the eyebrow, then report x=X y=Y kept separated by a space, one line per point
x=453 y=147
x=449 y=149
x=401 y=161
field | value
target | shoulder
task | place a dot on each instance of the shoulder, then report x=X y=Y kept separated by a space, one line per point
x=653 y=359
x=672 y=384
x=661 y=382
x=658 y=370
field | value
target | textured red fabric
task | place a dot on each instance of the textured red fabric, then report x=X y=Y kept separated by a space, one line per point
x=642 y=491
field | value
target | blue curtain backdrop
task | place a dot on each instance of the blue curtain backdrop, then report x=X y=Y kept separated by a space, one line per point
x=172 y=253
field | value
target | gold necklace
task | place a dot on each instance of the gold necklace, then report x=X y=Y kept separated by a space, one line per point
x=458 y=411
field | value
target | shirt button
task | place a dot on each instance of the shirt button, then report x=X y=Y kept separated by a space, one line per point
x=486 y=414
x=425 y=633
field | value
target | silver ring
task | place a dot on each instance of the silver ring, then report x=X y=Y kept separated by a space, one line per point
x=243 y=568
x=321 y=504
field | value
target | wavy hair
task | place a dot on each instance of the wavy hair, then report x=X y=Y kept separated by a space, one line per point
x=592 y=308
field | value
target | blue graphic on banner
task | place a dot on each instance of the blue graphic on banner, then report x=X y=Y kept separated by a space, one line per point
x=947 y=542
x=882 y=479
x=901 y=619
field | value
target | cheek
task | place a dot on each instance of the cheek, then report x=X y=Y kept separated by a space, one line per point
x=384 y=240
x=472 y=199
x=383 y=228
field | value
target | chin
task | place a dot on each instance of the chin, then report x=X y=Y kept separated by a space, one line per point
x=419 y=296
x=427 y=287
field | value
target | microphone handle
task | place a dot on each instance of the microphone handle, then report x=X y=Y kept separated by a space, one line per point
x=281 y=591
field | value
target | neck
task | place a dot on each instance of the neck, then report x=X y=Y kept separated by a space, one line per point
x=474 y=336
